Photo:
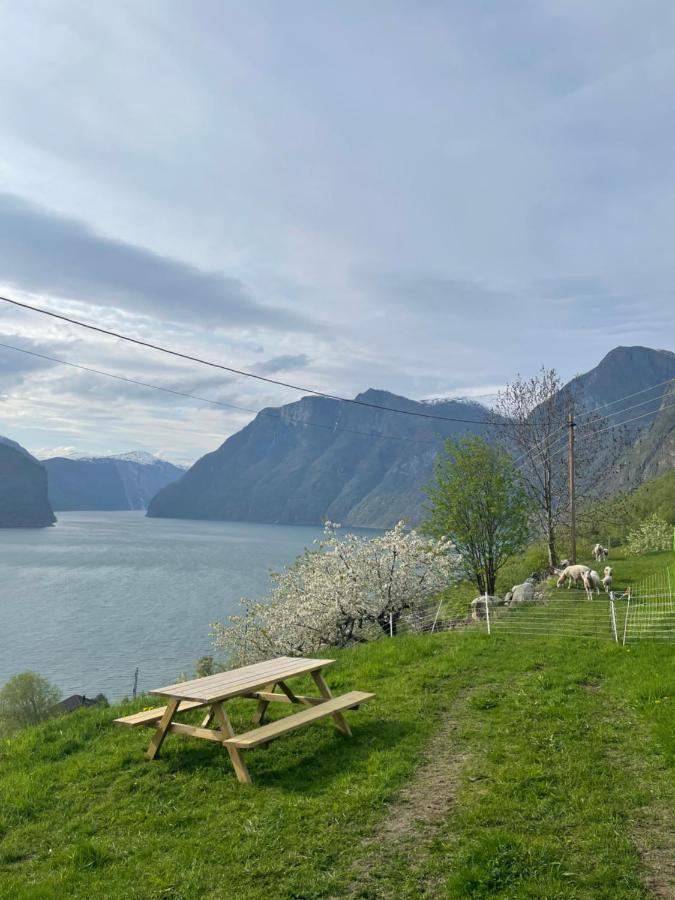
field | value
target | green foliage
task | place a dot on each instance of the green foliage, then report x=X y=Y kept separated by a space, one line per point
x=611 y=520
x=26 y=699
x=207 y=665
x=478 y=500
x=559 y=752
x=653 y=535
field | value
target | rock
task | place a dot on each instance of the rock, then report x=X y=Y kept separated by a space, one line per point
x=507 y=598
x=478 y=605
x=522 y=593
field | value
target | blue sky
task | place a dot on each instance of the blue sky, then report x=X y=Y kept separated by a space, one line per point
x=426 y=197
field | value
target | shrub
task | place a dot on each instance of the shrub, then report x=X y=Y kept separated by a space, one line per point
x=26 y=699
x=341 y=593
x=652 y=535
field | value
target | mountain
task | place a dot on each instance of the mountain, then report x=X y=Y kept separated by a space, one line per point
x=23 y=489
x=292 y=465
x=127 y=481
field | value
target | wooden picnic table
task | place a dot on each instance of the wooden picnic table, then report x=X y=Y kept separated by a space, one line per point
x=257 y=682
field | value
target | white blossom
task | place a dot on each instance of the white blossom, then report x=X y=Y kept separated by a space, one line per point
x=345 y=591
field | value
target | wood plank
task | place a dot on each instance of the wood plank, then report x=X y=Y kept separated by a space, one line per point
x=160 y=734
x=282 y=698
x=324 y=690
x=194 y=731
x=148 y=716
x=238 y=763
x=297 y=720
x=263 y=703
x=258 y=674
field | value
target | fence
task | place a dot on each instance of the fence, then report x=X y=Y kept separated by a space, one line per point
x=650 y=609
x=643 y=611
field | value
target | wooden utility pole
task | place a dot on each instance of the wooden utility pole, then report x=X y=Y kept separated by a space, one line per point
x=570 y=470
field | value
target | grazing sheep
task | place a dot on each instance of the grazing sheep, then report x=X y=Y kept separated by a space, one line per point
x=592 y=582
x=607 y=580
x=600 y=553
x=572 y=574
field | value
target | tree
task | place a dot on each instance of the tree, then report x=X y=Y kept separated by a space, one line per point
x=27 y=699
x=478 y=501
x=532 y=415
x=207 y=665
x=652 y=535
x=344 y=592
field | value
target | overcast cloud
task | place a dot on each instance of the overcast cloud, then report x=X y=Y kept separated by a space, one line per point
x=425 y=197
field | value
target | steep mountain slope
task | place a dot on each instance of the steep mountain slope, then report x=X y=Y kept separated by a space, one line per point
x=291 y=465
x=109 y=482
x=23 y=489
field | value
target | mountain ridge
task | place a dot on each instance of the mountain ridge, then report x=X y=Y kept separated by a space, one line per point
x=317 y=458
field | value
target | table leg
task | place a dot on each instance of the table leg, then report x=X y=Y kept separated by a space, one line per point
x=208 y=718
x=338 y=718
x=235 y=756
x=164 y=722
x=261 y=708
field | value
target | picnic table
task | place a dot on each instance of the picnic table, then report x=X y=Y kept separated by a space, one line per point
x=257 y=682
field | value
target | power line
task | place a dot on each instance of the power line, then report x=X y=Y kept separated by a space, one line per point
x=232 y=370
x=222 y=403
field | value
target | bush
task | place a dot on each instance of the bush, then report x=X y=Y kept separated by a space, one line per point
x=653 y=535
x=26 y=699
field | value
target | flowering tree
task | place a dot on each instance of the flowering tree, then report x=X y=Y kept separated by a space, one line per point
x=341 y=593
x=652 y=535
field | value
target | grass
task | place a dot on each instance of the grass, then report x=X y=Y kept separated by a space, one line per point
x=549 y=766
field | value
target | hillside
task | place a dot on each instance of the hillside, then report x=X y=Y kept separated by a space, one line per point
x=506 y=768
x=23 y=489
x=121 y=482
x=292 y=465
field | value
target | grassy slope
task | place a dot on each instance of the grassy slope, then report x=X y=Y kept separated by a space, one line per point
x=564 y=750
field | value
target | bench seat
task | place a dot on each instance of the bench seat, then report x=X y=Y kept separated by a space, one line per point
x=267 y=732
x=148 y=716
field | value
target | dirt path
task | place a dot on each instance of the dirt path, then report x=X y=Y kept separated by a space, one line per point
x=413 y=817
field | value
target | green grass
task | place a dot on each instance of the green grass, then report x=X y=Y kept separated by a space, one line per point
x=560 y=752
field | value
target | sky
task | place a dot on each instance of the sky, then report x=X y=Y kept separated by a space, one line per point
x=424 y=197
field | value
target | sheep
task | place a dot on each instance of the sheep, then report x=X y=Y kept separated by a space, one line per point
x=572 y=574
x=592 y=582
x=600 y=553
x=607 y=580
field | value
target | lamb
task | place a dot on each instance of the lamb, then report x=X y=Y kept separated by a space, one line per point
x=600 y=553
x=592 y=582
x=607 y=580
x=572 y=574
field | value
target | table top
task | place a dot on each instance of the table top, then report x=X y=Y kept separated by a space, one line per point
x=241 y=681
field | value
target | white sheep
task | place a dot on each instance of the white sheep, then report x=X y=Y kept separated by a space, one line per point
x=592 y=582
x=572 y=574
x=600 y=553
x=607 y=580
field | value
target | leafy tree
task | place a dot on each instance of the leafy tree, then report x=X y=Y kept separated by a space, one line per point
x=27 y=699
x=207 y=665
x=345 y=591
x=478 y=501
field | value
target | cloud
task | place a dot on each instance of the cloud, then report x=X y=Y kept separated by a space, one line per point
x=47 y=253
x=285 y=363
x=16 y=366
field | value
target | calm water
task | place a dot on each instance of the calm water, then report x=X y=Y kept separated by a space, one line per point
x=87 y=601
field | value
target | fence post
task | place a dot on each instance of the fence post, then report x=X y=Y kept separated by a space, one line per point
x=391 y=625
x=612 y=616
x=625 y=621
x=487 y=613
x=436 y=616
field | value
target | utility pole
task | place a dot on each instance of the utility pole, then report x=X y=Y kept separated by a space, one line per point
x=570 y=470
